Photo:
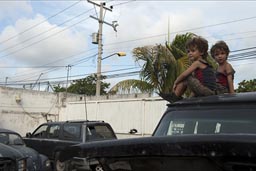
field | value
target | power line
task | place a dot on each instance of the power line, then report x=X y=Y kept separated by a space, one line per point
x=56 y=61
x=33 y=26
x=122 y=3
x=63 y=77
x=43 y=39
x=243 y=49
x=45 y=71
x=186 y=30
x=234 y=57
x=42 y=33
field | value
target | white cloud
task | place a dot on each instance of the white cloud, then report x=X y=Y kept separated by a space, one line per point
x=12 y=9
x=245 y=70
x=137 y=19
x=38 y=51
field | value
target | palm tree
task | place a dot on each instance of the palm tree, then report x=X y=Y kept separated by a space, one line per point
x=131 y=86
x=161 y=64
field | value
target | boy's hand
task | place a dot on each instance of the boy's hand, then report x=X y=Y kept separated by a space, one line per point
x=174 y=86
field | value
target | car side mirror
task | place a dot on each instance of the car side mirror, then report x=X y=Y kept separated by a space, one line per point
x=28 y=135
x=133 y=131
x=18 y=141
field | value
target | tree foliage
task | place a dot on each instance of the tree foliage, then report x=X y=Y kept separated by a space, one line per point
x=58 y=89
x=160 y=65
x=131 y=86
x=246 y=86
x=86 y=86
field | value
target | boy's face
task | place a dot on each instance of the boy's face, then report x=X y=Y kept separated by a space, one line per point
x=220 y=56
x=194 y=54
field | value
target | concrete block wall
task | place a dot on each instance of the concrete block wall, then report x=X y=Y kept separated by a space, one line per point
x=142 y=114
x=24 y=110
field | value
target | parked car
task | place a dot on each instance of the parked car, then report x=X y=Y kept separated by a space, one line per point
x=50 y=138
x=35 y=161
x=11 y=159
x=215 y=133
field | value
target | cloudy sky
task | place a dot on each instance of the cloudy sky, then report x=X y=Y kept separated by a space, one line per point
x=39 y=39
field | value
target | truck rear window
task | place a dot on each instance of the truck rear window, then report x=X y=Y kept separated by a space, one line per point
x=72 y=131
x=224 y=121
x=99 y=132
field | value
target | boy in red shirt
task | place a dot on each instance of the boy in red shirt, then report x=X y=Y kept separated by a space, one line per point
x=225 y=72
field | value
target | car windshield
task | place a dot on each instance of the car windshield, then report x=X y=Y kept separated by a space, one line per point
x=11 y=139
x=224 y=121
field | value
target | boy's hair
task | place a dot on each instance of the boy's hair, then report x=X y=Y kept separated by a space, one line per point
x=200 y=43
x=220 y=45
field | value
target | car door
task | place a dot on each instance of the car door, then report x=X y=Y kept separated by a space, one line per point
x=52 y=140
x=44 y=139
x=35 y=141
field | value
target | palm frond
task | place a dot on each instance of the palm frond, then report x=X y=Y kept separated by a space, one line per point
x=131 y=86
x=161 y=65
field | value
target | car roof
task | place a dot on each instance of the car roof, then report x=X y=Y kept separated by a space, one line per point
x=75 y=121
x=247 y=97
x=7 y=131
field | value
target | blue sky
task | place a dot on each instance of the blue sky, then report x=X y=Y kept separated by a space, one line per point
x=41 y=37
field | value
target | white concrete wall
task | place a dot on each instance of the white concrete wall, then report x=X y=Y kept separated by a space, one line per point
x=23 y=110
x=142 y=114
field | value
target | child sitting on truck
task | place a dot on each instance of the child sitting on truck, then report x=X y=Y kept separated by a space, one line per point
x=225 y=72
x=199 y=77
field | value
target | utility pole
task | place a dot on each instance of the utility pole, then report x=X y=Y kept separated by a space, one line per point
x=99 y=52
x=101 y=21
x=68 y=69
x=6 y=78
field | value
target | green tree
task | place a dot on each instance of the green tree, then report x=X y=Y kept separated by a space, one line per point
x=131 y=86
x=161 y=64
x=246 y=86
x=86 y=86
x=58 y=89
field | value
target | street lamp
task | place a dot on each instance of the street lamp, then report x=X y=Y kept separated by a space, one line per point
x=98 y=81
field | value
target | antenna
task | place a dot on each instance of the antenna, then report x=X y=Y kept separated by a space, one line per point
x=85 y=107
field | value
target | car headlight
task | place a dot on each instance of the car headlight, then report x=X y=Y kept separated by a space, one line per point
x=22 y=165
x=47 y=163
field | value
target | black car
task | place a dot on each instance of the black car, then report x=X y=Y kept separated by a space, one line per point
x=11 y=159
x=215 y=133
x=34 y=160
x=50 y=138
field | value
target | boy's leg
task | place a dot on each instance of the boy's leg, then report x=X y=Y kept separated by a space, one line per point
x=180 y=89
x=221 y=89
x=176 y=95
x=197 y=88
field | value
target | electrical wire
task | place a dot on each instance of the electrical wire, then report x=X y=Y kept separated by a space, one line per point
x=33 y=26
x=185 y=30
x=34 y=43
x=240 y=56
x=83 y=75
x=58 y=60
x=44 y=32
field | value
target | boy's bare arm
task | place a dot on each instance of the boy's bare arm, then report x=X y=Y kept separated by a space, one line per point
x=230 y=72
x=187 y=72
x=230 y=84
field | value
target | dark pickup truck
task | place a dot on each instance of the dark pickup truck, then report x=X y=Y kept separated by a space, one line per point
x=215 y=133
x=51 y=137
